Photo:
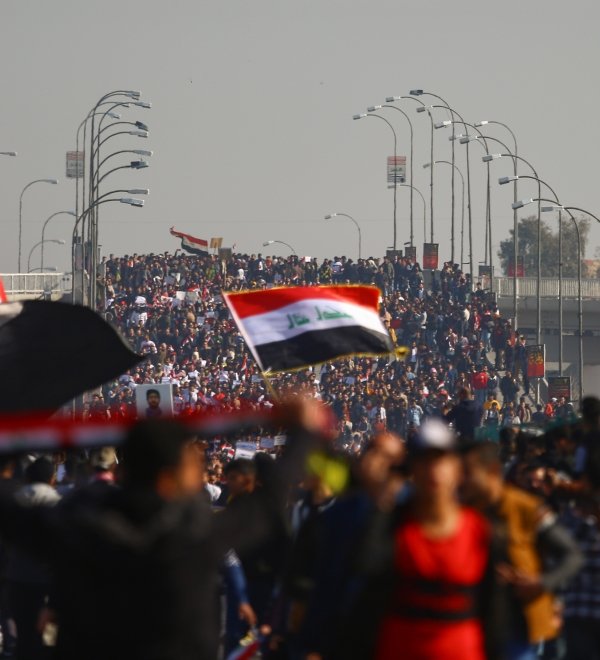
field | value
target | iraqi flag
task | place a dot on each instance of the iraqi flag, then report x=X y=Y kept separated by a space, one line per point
x=289 y=328
x=50 y=352
x=191 y=243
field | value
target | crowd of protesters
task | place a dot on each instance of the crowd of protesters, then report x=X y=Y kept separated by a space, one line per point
x=170 y=308
x=421 y=506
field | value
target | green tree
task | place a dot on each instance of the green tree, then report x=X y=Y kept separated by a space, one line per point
x=527 y=248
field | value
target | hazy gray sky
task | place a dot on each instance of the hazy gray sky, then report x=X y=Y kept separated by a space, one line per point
x=251 y=122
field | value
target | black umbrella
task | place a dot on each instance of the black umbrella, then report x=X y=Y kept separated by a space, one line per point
x=50 y=352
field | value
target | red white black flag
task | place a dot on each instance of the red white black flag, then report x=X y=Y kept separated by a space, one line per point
x=191 y=243
x=288 y=328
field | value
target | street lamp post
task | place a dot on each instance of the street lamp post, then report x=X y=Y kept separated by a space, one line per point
x=131 y=201
x=406 y=185
x=486 y=159
x=361 y=116
x=393 y=107
x=462 y=215
x=421 y=108
x=345 y=215
x=568 y=209
x=515 y=151
x=52 y=181
x=516 y=205
x=71 y=213
x=282 y=243
x=420 y=92
x=56 y=241
x=454 y=114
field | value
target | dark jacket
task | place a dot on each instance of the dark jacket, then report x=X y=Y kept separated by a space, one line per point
x=466 y=416
x=137 y=576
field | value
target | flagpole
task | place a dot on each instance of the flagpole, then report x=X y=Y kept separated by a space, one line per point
x=269 y=384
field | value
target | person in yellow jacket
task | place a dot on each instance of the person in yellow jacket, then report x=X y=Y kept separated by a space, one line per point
x=526 y=534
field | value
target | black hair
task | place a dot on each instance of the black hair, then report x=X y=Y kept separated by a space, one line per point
x=151 y=446
x=592 y=466
x=42 y=470
x=590 y=409
x=149 y=392
x=242 y=466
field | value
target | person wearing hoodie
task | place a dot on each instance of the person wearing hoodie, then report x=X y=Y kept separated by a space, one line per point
x=465 y=415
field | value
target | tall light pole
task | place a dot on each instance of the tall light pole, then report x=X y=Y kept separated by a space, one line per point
x=80 y=219
x=407 y=185
x=486 y=159
x=71 y=213
x=547 y=209
x=362 y=116
x=515 y=151
x=282 y=243
x=420 y=92
x=374 y=108
x=454 y=114
x=52 y=181
x=56 y=241
x=462 y=216
x=516 y=205
x=466 y=139
x=345 y=215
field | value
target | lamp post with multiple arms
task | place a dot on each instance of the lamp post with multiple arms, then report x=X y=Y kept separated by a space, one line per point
x=558 y=207
x=421 y=108
x=56 y=241
x=568 y=209
x=516 y=205
x=488 y=158
x=71 y=213
x=462 y=215
x=282 y=243
x=51 y=181
x=112 y=100
x=420 y=92
x=131 y=201
x=406 y=185
x=515 y=151
x=462 y=121
x=345 y=215
x=374 y=108
x=362 y=116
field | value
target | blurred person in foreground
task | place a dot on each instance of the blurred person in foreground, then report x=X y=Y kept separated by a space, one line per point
x=29 y=580
x=535 y=555
x=582 y=595
x=137 y=567
x=426 y=566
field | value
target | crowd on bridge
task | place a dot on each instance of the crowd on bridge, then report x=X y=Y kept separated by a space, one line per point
x=170 y=308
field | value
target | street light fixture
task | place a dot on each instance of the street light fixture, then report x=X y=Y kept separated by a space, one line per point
x=345 y=215
x=374 y=108
x=568 y=209
x=56 y=241
x=361 y=116
x=71 y=213
x=266 y=243
x=51 y=181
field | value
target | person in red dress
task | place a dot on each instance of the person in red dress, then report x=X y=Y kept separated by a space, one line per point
x=441 y=560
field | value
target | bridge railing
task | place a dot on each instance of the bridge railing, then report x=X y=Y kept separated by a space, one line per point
x=16 y=284
x=527 y=287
